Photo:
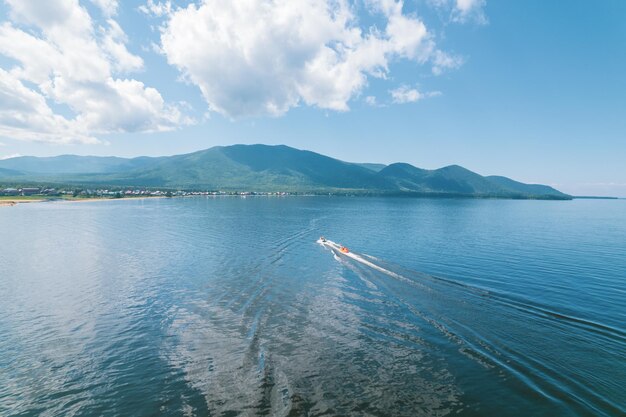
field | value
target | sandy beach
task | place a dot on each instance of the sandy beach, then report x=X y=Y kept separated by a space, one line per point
x=15 y=201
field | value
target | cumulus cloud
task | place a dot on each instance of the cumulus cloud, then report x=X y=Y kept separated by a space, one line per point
x=158 y=9
x=25 y=114
x=108 y=7
x=263 y=57
x=114 y=44
x=64 y=58
x=406 y=94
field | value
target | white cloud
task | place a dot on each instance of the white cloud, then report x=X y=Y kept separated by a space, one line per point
x=469 y=10
x=371 y=100
x=405 y=94
x=157 y=9
x=114 y=44
x=466 y=6
x=24 y=114
x=443 y=61
x=108 y=7
x=462 y=11
x=260 y=57
x=14 y=155
x=64 y=58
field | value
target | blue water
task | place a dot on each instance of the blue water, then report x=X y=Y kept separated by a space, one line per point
x=228 y=306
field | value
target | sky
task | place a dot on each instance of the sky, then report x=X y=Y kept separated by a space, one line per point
x=530 y=89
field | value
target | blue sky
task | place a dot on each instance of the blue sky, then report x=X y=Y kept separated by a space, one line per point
x=533 y=90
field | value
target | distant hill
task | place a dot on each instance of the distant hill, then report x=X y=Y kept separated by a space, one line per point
x=267 y=168
x=507 y=183
x=370 y=166
x=455 y=179
x=9 y=173
x=73 y=164
x=252 y=167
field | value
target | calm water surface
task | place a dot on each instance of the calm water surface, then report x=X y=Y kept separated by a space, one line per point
x=227 y=307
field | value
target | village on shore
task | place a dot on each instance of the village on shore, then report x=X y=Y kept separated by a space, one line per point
x=70 y=193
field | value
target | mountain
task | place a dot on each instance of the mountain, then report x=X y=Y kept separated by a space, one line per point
x=406 y=177
x=9 y=173
x=455 y=179
x=536 y=189
x=73 y=164
x=252 y=167
x=267 y=168
x=370 y=166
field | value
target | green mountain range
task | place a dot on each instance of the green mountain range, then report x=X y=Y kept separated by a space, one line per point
x=266 y=168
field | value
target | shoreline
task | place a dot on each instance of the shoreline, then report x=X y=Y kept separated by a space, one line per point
x=9 y=202
x=88 y=200
x=16 y=201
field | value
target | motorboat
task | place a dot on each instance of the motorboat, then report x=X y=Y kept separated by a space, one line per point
x=322 y=240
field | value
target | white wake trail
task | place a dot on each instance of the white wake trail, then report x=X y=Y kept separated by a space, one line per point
x=336 y=249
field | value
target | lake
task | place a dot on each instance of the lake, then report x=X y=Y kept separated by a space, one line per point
x=227 y=306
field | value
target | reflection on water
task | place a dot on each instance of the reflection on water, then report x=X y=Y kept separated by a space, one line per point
x=227 y=306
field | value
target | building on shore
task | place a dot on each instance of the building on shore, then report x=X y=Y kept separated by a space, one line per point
x=9 y=191
x=29 y=191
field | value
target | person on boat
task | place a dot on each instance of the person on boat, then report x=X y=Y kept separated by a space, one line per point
x=343 y=249
x=323 y=239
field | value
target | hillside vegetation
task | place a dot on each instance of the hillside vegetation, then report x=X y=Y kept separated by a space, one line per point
x=267 y=168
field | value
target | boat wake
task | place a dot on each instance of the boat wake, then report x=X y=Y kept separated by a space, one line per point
x=336 y=249
x=496 y=331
